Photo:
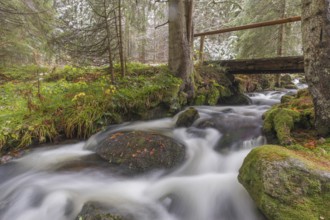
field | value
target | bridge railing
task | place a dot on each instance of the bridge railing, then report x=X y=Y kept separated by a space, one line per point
x=243 y=27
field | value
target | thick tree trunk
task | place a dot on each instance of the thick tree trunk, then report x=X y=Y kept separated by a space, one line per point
x=316 y=43
x=180 y=42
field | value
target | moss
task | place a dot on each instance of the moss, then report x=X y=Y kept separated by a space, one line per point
x=286 y=98
x=67 y=105
x=286 y=184
x=200 y=99
x=281 y=121
x=213 y=95
x=303 y=93
x=95 y=211
x=225 y=91
x=187 y=117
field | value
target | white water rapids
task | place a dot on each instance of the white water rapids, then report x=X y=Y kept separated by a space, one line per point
x=55 y=182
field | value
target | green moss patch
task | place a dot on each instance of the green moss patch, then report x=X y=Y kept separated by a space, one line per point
x=283 y=121
x=77 y=102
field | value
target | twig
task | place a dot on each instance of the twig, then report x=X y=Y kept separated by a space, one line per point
x=158 y=26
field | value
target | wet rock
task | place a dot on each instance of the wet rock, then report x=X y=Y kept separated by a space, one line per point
x=95 y=211
x=287 y=184
x=140 y=151
x=238 y=99
x=286 y=79
x=303 y=93
x=286 y=98
x=286 y=82
x=187 y=118
x=264 y=83
x=290 y=86
x=291 y=115
x=279 y=122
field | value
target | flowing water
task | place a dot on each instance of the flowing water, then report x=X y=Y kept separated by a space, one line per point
x=56 y=181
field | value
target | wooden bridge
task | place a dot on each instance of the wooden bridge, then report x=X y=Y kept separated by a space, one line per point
x=276 y=65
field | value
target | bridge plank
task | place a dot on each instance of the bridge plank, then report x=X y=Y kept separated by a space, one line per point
x=277 y=65
x=250 y=26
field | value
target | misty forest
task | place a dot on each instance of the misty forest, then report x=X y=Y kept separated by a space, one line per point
x=164 y=109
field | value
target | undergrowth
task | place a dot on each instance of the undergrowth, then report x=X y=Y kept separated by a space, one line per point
x=75 y=102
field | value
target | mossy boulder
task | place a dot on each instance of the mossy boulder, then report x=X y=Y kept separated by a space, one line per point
x=200 y=99
x=237 y=99
x=290 y=86
x=286 y=98
x=135 y=152
x=280 y=121
x=187 y=118
x=287 y=184
x=95 y=211
x=207 y=94
x=218 y=87
x=294 y=113
x=286 y=82
x=286 y=79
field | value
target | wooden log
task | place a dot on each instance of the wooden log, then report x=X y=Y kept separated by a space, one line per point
x=277 y=65
x=201 y=49
x=250 y=26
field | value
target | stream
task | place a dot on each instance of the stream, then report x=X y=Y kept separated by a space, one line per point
x=55 y=182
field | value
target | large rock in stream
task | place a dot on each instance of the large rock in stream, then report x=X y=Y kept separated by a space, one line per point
x=140 y=151
x=287 y=184
x=187 y=117
x=95 y=211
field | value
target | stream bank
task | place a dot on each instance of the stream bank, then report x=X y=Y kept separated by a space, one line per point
x=74 y=103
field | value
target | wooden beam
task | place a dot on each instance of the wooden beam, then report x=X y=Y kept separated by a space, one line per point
x=250 y=26
x=277 y=65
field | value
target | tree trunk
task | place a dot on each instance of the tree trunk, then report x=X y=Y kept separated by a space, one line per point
x=316 y=45
x=180 y=43
x=110 y=59
x=280 y=40
x=121 y=46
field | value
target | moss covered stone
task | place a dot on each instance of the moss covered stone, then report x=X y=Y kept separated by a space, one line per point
x=238 y=99
x=200 y=99
x=95 y=211
x=287 y=184
x=281 y=121
x=286 y=98
x=213 y=95
x=294 y=113
x=187 y=117
x=135 y=152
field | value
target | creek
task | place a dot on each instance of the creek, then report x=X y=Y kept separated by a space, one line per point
x=54 y=182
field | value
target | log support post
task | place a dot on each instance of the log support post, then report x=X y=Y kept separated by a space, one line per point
x=201 y=50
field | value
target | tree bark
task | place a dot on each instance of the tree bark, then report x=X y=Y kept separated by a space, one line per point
x=121 y=44
x=280 y=37
x=316 y=46
x=110 y=59
x=180 y=43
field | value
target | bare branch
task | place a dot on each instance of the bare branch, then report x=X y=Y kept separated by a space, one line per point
x=158 y=26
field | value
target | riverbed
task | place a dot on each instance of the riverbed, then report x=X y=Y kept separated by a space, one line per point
x=55 y=182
